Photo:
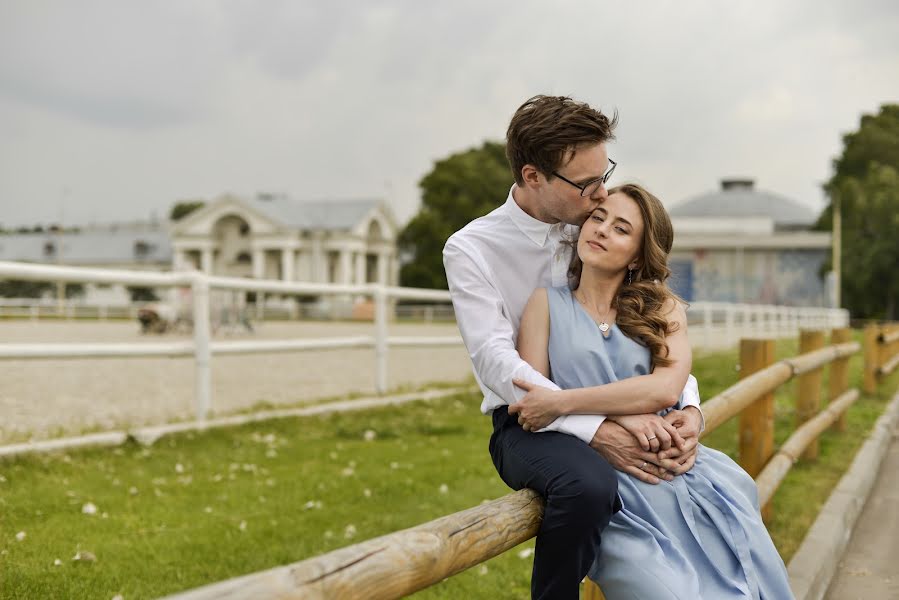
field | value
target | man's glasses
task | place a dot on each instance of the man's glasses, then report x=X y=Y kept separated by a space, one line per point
x=590 y=188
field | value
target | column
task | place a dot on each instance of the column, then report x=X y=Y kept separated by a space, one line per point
x=179 y=260
x=383 y=268
x=288 y=264
x=394 y=271
x=360 y=268
x=258 y=263
x=206 y=260
x=345 y=267
x=319 y=266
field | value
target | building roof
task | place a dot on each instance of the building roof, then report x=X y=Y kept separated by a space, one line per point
x=102 y=246
x=738 y=198
x=319 y=214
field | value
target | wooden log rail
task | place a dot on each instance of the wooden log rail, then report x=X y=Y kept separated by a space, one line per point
x=397 y=564
x=881 y=344
x=403 y=562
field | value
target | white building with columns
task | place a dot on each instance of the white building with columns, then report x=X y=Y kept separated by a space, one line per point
x=274 y=237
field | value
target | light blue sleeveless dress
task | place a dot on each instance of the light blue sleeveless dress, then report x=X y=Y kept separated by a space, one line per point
x=699 y=536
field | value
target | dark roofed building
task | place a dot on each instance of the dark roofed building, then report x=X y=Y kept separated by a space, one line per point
x=743 y=244
x=739 y=199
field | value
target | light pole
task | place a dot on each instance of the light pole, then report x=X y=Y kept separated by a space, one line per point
x=836 y=243
x=60 y=285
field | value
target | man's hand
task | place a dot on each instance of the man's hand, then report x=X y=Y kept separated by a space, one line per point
x=538 y=408
x=651 y=431
x=623 y=452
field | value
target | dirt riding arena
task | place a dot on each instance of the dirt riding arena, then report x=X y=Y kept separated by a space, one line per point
x=47 y=398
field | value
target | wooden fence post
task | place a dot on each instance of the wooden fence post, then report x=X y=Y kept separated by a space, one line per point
x=839 y=373
x=757 y=420
x=592 y=591
x=809 y=402
x=869 y=384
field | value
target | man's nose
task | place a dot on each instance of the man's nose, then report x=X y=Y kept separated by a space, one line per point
x=601 y=194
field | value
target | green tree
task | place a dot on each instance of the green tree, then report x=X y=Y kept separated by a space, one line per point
x=142 y=294
x=182 y=209
x=866 y=181
x=460 y=188
x=17 y=288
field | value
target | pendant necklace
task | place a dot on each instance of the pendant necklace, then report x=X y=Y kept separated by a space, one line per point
x=603 y=324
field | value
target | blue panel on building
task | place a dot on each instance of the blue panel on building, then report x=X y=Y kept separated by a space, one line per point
x=681 y=280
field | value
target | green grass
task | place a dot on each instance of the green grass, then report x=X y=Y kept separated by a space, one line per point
x=211 y=506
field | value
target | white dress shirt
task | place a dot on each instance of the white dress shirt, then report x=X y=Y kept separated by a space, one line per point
x=493 y=265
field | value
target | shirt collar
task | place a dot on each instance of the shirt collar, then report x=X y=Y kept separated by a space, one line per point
x=535 y=229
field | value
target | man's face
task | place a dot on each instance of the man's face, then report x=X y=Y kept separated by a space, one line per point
x=561 y=201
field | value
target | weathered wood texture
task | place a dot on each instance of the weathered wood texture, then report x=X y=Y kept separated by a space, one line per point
x=737 y=397
x=396 y=564
x=872 y=356
x=774 y=472
x=888 y=350
x=592 y=591
x=839 y=373
x=757 y=419
x=808 y=403
x=890 y=335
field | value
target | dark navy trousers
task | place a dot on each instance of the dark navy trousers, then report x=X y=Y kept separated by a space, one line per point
x=581 y=492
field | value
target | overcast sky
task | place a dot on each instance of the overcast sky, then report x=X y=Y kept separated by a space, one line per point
x=112 y=110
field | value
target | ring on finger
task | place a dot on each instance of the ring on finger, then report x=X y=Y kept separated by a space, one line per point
x=649 y=439
x=643 y=466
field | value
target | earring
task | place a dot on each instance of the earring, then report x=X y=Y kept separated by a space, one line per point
x=630 y=276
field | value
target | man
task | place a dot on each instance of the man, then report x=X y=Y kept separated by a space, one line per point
x=557 y=151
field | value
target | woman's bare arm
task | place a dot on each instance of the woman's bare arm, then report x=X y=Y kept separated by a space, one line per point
x=644 y=393
x=533 y=332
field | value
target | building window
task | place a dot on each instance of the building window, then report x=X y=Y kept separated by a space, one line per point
x=244 y=230
x=244 y=258
x=49 y=249
x=142 y=249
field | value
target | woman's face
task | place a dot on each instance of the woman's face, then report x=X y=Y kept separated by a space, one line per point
x=611 y=238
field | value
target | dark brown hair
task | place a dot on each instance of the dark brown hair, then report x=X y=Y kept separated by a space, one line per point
x=643 y=303
x=546 y=128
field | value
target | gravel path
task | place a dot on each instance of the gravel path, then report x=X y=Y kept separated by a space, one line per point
x=48 y=398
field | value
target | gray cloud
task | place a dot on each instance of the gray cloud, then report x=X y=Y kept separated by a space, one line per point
x=132 y=106
x=124 y=64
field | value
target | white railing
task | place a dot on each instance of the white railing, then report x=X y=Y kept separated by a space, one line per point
x=202 y=348
x=37 y=308
x=720 y=324
x=712 y=325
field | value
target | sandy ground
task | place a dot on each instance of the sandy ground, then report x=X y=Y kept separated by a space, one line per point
x=47 y=398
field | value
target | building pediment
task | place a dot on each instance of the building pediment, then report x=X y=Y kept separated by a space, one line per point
x=202 y=222
x=378 y=222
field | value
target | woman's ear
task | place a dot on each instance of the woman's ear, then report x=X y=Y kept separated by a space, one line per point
x=634 y=266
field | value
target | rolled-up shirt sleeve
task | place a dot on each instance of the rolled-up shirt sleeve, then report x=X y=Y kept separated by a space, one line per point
x=489 y=337
x=690 y=397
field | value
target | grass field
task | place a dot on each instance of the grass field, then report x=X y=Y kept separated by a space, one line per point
x=197 y=508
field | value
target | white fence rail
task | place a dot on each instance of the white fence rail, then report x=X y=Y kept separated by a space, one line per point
x=202 y=348
x=712 y=324
x=720 y=324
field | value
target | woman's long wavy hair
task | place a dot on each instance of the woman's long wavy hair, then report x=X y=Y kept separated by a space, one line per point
x=641 y=304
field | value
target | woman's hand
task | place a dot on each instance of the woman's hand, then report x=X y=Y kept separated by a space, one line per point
x=651 y=431
x=538 y=408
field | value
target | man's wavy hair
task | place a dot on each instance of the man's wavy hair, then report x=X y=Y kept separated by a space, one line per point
x=546 y=129
x=642 y=303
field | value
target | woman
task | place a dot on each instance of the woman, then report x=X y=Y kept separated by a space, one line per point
x=698 y=535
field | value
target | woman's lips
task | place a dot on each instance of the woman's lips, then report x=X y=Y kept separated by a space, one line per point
x=596 y=245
